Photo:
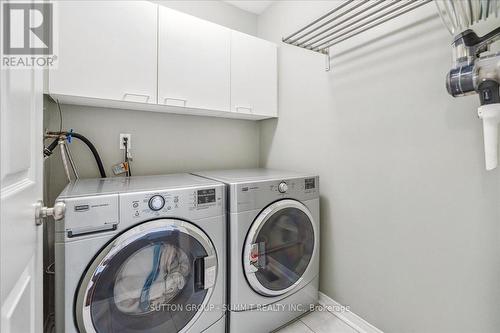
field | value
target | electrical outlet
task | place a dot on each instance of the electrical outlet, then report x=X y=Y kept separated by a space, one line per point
x=129 y=142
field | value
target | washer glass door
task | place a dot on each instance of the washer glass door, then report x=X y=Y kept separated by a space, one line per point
x=279 y=247
x=152 y=278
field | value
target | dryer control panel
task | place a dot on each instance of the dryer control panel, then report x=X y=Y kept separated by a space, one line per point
x=255 y=195
x=196 y=203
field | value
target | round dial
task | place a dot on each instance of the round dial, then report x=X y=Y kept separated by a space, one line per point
x=282 y=187
x=156 y=202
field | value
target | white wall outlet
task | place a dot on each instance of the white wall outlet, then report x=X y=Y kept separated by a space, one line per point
x=129 y=137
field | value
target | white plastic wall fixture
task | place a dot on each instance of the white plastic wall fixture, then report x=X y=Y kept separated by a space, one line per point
x=490 y=114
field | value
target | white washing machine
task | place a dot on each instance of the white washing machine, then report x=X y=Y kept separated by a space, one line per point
x=141 y=254
x=273 y=258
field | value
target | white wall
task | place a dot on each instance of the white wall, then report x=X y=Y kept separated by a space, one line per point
x=410 y=218
x=161 y=143
x=217 y=12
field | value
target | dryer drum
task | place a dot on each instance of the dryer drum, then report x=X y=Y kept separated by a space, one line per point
x=285 y=243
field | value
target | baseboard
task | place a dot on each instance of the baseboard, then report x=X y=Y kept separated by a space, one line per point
x=350 y=318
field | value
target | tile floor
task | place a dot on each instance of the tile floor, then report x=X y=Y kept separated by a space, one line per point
x=319 y=321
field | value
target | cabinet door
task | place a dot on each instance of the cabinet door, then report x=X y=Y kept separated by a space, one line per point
x=107 y=49
x=193 y=62
x=254 y=75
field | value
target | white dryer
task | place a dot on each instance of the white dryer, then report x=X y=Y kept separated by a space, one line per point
x=273 y=234
x=141 y=254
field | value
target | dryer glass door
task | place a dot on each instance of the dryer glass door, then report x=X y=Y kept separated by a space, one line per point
x=152 y=278
x=279 y=247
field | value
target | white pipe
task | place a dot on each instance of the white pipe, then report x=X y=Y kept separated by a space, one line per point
x=490 y=114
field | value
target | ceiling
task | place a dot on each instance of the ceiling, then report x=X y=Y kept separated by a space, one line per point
x=255 y=6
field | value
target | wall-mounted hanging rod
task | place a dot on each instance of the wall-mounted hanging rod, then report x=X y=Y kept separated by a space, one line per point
x=347 y=20
x=328 y=31
x=318 y=20
x=394 y=11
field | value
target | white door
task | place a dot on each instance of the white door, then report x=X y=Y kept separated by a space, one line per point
x=193 y=62
x=254 y=75
x=21 y=132
x=107 y=50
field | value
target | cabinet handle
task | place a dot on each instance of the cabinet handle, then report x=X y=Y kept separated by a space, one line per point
x=183 y=100
x=140 y=95
x=249 y=108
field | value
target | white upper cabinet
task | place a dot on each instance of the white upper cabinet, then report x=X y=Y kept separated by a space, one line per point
x=193 y=62
x=107 y=50
x=143 y=56
x=254 y=75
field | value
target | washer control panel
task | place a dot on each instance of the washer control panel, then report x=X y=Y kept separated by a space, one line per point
x=200 y=202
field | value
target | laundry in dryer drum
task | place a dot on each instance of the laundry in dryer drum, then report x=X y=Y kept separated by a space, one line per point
x=151 y=277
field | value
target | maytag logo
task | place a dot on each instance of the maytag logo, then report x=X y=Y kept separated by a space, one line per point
x=28 y=35
x=82 y=208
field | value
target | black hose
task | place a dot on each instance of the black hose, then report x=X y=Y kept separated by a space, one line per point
x=129 y=171
x=92 y=149
x=47 y=151
x=50 y=148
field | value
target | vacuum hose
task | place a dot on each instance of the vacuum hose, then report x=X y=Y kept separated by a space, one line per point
x=49 y=149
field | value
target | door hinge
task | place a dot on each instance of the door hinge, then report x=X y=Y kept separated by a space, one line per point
x=42 y=212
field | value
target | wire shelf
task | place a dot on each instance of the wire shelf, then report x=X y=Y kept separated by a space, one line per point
x=347 y=20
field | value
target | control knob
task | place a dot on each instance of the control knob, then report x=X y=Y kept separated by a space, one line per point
x=156 y=202
x=282 y=187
